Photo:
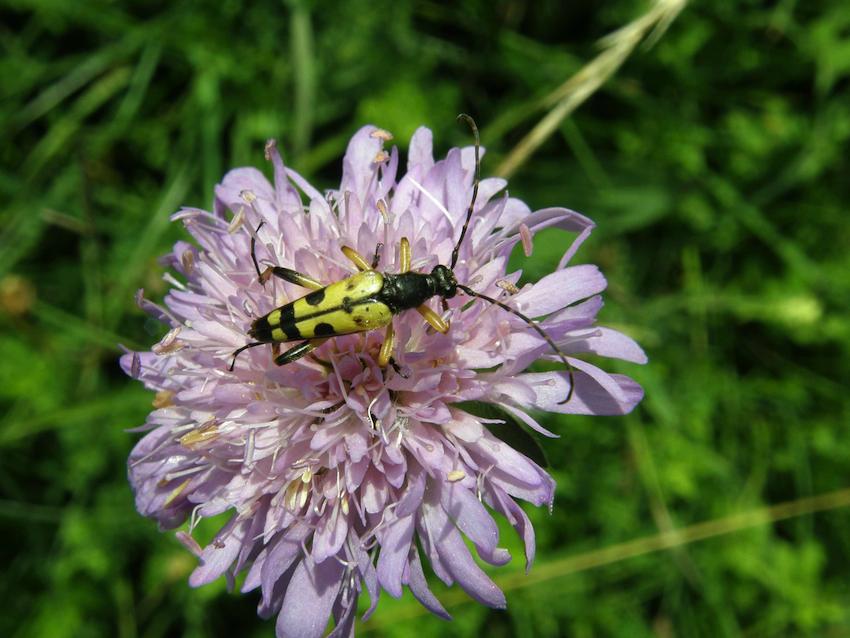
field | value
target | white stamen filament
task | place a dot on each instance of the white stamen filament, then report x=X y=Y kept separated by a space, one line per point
x=195 y=517
x=479 y=482
x=249 y=449
x=192 y=470
x=171 y=279
x=237 y=221
x=433 y=199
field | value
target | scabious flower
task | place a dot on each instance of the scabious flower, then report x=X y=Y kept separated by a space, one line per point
x=337 y=471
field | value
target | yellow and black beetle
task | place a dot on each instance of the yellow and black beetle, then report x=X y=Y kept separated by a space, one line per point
x=369 y=299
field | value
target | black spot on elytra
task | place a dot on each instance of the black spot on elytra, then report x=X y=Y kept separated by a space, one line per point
x=315 y=298
x=349 y=285
x=346 y=304
x=323 y=330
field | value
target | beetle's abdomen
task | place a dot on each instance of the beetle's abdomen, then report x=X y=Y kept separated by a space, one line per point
x=344 y=307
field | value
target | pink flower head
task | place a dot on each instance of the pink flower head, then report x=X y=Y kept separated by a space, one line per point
x=332 y=466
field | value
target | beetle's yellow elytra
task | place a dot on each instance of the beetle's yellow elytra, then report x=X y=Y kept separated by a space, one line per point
x=360 y=318
x=343 y=307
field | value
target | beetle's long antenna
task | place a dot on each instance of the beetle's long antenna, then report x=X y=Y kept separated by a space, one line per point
x=536 y=327
x=466 y=118
x=254 y=253
x=253 y=344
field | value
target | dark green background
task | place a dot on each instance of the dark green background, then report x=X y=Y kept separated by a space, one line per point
x=715 y=163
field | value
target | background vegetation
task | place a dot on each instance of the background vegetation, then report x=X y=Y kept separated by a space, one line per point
x=715 y=163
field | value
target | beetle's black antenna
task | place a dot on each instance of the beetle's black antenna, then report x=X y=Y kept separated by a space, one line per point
x=468 y=119
x=254 y=253
x=253 y=344
x=536 y=327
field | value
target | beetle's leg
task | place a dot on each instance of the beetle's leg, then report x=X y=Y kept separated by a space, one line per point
x=387 y=347
x=296 y=352
x=356 y=258
x=316 y=343
x=376 y=258
x=436 y=321
x=385 y=357
x=404 y=255
x=287 y=274
x=292 y=276
x=322 y=362
x=398 y=369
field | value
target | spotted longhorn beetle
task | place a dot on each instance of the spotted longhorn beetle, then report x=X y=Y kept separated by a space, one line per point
x=370 y=299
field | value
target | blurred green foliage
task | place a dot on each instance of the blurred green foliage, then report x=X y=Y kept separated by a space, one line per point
x=715 y=164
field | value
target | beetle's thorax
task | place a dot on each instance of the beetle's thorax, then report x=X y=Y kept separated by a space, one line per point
x=411 y=289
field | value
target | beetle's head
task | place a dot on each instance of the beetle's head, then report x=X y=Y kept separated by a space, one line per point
x=445 y=280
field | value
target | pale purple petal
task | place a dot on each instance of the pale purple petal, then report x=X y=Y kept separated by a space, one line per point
x=518 y=519
x=395 y=547
x=240 y=180
x=618 y=395
x=344 y=622
x=470 y=516
x=218 y=555
x=286 y=195
x=358 y=166
x=419 y=587
x=610 y=343
x=420 y=157
x=309 y=599
x=367 y=570
x=457 y=559
x=559 y=289
x=529 y=420
x=330 y=535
